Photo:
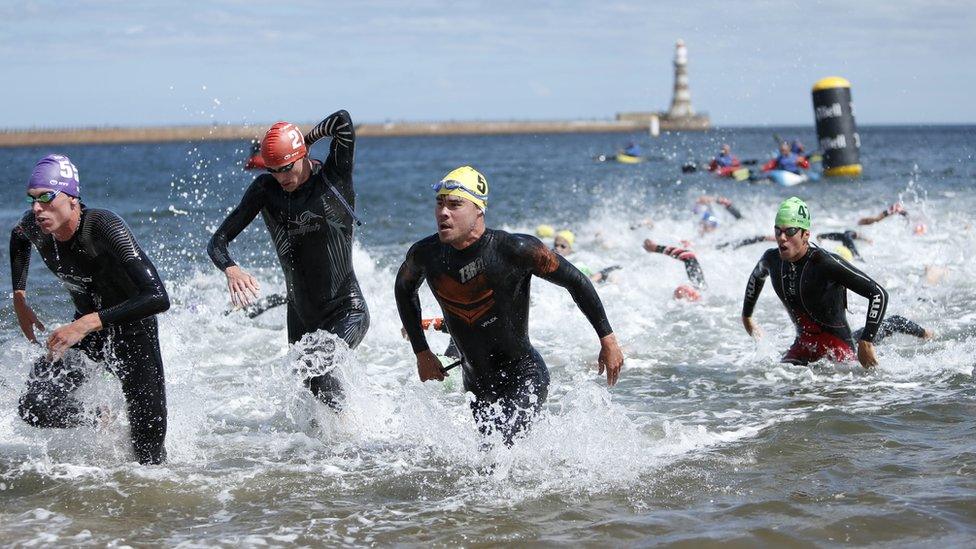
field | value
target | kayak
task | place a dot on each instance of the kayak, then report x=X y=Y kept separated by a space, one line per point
x=788 y=179
x=628 y=159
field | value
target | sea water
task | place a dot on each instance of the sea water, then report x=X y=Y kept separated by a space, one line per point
x=707 y=438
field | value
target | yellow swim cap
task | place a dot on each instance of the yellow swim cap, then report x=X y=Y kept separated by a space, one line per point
x=568 y=236
x=844 y=252
x=467 y=183
x=545 y=231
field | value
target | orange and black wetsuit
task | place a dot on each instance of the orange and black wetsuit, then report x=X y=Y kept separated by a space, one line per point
x=483 y=291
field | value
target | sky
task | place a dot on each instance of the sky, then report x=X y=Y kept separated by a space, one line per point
x=124 y=63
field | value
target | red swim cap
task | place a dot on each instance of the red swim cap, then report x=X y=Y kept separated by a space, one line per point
x=283 y=144
x=686 y=292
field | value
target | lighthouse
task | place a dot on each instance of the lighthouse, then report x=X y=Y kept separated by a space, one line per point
x=680 y=116
x=681 y=99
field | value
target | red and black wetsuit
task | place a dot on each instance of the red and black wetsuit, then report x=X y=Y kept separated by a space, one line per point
x=312 y=231
x=105 y=272
x=814 y=292
x=692 y=267
x=483 y=291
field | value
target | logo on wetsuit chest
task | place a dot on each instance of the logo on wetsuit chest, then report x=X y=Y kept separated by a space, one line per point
x=305 y=223
x=74 y=283
x=471 y=270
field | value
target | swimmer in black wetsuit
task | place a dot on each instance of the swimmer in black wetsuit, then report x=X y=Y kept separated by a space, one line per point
x=692 y=269
x=116 y=293
x=481 y=279
x=896 y=324
x=847 y=239
x=813 y=284
x=307 y=208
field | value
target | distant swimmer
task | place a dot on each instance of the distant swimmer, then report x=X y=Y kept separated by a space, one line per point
x=692 y=269
x=116 y=293
x=307 y=207
x=895 y=209
x=896 y=324
x=846 y=239
x=725 y=159
x=787 y=160
x=706 y=216
x=481 y=279
x=736 y=244
x=562 y=244
x=813 y=284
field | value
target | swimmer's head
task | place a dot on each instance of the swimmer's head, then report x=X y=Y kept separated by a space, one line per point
x=793 y=212
x=792 y=229
x=283 y=152
x=920 y=229
x=563 y=243
x=461 y=199
x=55 y=172
x=844 y=252
x=53 y=193
x=545 y=231
x=708 y=221
x=467 y=183
x=282 y=145
x=687 y=293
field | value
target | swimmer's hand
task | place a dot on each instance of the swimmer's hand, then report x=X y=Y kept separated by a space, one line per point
x=429 y=366
x=611 y=359
x=26 y=317
x=865 y=354
x=751 y=327
x=244 y=288
x=64 y=337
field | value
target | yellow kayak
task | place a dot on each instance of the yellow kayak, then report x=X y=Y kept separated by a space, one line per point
x=628 y=159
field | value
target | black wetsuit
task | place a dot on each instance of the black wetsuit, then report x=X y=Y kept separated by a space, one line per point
x=692 y=268
x=312 y=231
x=105 y=271
x=814 y=292
x=846 y=238
x=894 y=324
x=736 y=244
x=483 y=291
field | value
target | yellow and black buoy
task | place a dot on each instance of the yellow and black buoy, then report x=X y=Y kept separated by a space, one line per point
x=836 y=131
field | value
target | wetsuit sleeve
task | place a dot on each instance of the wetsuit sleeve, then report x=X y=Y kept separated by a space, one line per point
x=529 y=252
x=856 y=281
x=408 y=280
x=733 y=210
x=846 y=238
x=237 y=221
x=756 y=282
x=112 y=237
x=339 y=127
x=20 y=252
x=692 y=267
x=748 y=241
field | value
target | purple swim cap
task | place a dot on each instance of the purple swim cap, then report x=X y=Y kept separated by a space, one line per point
x=55 y=172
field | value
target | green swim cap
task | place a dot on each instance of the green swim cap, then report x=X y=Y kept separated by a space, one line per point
x=793 y=212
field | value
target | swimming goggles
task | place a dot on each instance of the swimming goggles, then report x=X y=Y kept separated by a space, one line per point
x=43 y=198
x=282 y=169
x=790 y=231
x=454 y=185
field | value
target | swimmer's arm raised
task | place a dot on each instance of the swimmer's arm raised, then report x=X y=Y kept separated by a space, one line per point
x=339 y=127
